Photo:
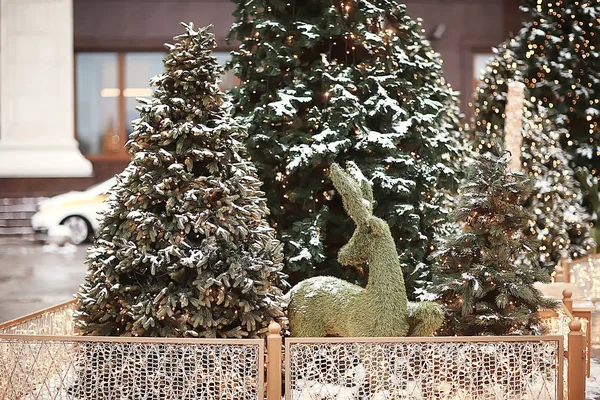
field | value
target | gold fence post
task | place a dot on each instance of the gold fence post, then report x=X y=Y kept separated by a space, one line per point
x=568 y=300
x=577 y=362
x=274 y=342
x=587 y=315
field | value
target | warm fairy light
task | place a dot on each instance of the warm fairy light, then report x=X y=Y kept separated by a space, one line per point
x=513 y=123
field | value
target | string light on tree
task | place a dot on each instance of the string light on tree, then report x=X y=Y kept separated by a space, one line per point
x=477 y=277
x=556 y=197
x=347 y=101
x=558 y=44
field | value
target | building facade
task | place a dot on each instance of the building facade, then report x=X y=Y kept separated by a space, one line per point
x=70 y=71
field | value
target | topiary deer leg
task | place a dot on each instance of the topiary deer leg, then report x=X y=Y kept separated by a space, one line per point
x=424 y=318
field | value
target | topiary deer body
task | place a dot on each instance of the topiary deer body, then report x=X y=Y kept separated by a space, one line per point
x=327 y=306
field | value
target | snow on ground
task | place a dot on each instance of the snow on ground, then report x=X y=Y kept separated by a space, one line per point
x=53 y=248
x=593 y=382
x=315 y=390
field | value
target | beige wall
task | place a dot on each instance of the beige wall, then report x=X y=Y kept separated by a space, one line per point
x=472 y=25
x=144 y=24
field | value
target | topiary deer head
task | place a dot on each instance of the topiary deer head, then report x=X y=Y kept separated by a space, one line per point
x=357 y=197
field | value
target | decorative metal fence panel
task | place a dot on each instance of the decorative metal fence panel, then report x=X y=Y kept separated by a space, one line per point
x=557 y=323
x=42 y=358
x=585 y=273
x=57 y=320
x=425 y=368
x=136 y=369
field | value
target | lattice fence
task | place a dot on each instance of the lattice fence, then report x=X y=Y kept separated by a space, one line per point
x=41 y=358
x=92 y=369
x=528 y=368
x=558 y=324
x=585 y=273
x=57 y=320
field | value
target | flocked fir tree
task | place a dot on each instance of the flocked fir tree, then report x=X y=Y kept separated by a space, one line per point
x=556 y=200
x=485 y=273
x=184 y=249
x=560 y=47
x=330 y=81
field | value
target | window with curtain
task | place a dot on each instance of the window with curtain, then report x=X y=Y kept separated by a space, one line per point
x=97 y=100
x=139 y=69
x=107 y=85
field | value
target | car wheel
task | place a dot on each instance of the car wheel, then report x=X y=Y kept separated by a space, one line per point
x=80 y=230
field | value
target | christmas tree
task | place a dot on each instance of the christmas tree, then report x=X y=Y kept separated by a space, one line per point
x=329 y=81
x=591 y=185
x=184 y=249
x=559 y=45
x=485 y=273
x=562 y=222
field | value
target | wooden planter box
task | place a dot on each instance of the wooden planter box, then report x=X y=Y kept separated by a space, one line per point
x=41 y=357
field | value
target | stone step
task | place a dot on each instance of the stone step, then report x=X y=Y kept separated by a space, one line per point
x=15 y=230
x=5 y=201
x=15 y=222
x=15 y=215
x=8 y=208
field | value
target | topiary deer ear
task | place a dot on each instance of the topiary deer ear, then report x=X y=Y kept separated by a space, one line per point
x=367 y=192
x=352 y=195
x=365 y=186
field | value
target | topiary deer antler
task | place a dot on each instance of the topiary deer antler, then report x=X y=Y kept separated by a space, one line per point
x=327 y=306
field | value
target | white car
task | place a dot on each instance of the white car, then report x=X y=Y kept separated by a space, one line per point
x=76 y=210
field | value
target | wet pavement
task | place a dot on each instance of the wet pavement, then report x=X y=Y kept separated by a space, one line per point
x=34 y=276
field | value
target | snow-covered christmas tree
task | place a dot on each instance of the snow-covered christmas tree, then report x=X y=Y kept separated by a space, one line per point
x=330 y=81
x=559 y=46
x=485 y=274
x=556 y=200
x=184 y=249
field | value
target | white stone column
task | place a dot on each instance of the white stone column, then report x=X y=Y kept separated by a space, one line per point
x=37 y=91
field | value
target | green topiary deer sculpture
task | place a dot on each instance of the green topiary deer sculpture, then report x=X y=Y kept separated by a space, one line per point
x=327 y=306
